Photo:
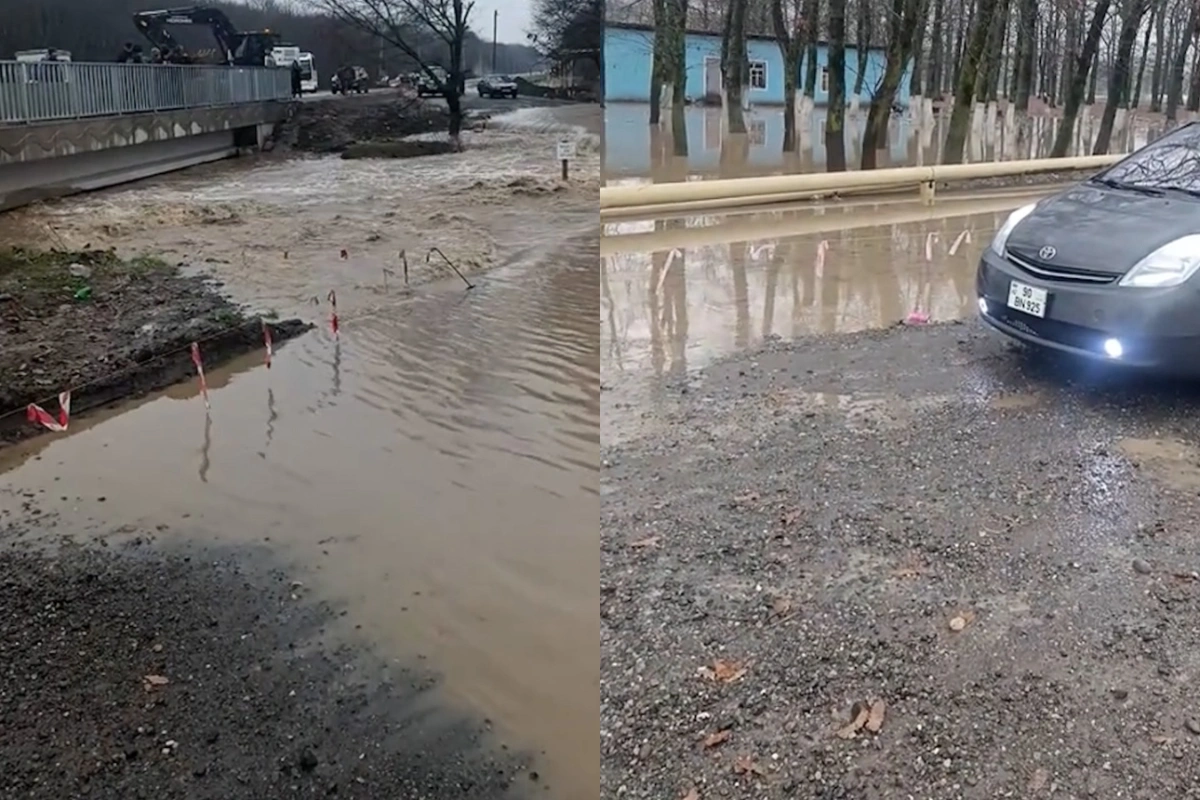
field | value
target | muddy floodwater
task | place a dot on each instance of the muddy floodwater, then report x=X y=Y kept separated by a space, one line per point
x=636 y=151
x=434 y=466
x=678 y=293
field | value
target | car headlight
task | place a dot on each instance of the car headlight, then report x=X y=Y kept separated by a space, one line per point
x=1001 y=237
x=1169 y=265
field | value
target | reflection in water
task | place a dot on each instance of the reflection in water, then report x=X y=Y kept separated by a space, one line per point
x=737 y=283
x=448 y=498
x=633 y=148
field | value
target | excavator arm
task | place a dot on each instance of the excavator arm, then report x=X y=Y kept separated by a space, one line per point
x=233 y=45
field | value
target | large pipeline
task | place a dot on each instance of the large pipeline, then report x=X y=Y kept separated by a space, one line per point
x=740 y=191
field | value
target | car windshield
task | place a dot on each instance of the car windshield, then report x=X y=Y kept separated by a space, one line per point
x=1170 y=163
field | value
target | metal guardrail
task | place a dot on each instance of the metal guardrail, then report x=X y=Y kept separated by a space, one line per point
x=45 y=91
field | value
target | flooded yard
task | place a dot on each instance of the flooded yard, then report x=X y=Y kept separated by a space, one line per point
x=433 y=467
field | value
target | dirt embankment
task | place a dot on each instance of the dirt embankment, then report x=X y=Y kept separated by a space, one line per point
x=109 y=329
x=917 y=562
x=334 y=125
x=129 y=671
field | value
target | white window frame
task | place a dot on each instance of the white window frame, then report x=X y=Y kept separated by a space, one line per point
x=824 y=81
x=765 y=77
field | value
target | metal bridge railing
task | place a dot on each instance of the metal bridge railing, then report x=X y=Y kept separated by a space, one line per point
x=45 y=91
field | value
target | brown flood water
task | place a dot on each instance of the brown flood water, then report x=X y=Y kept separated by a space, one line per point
x=677 y=293
x=437 y=465
x=635 y=150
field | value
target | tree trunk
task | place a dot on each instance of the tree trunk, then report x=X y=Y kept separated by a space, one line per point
x=1079 y=77
x=906 y=18
x=1193 y=98
x=1160 y=47
x=1175 y=86
x=862 y=43
x=988 y=91
x=658 y=61
x=1094 y=77
x=734 y=66
x=933 y=77
x=676 y=63
x=1118 y=77
x=791 y=45
x=1135 y=99
x=812 y=23
x=835 y=121
x=916 y=48
x=964 y=95
x=1028 y=57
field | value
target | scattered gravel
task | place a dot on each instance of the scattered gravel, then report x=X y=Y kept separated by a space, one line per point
x=928 y=517
x=128 y=673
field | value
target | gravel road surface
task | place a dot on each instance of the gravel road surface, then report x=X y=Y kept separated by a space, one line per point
x=131 y=671
x=911 y=563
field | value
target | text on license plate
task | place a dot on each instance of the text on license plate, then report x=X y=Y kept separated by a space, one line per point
x=1029 y=299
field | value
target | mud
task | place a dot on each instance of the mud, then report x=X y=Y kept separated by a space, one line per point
x=410 y=148
x=332 y=125
x=998 y=544
x=131 y=670
x=109 y=329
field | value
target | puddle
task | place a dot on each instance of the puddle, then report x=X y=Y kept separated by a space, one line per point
x=677 y=293
x=1172 y=463
x=436 y=465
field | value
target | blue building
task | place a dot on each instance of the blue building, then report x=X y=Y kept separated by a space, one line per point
x=629 y=50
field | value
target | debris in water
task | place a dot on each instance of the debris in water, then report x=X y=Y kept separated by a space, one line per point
x=449 y=263
x=917 y=318
x=344 y=254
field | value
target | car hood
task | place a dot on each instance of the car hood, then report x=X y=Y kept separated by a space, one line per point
x=1099 y=229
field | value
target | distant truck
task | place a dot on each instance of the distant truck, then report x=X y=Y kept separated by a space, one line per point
x=351 y=79
x=497 y=86
x=285 y=55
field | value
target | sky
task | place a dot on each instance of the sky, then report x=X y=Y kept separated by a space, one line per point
x=514 y=21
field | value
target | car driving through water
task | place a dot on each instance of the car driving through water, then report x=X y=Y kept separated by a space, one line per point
x=1107 y=269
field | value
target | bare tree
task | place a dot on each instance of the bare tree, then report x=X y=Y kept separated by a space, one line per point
x=903 y=28
x=1079 y=77
x=964 y=97
x=835 y=120
x=735 y=66
x=405 y=24
x=787 y=18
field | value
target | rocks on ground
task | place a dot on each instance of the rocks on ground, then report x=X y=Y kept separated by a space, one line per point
x=127 y=673
x=924 y=517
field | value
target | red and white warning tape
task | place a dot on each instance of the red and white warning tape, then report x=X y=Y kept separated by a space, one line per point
x=200 y=371
x=39 y=415
x=267 y=342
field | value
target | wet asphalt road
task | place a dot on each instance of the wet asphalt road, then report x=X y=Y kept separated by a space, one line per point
x=999 y=546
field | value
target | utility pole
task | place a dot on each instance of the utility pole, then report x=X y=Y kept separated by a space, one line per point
x=495 y=22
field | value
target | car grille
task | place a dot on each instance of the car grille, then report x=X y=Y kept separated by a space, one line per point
x=1058 y=273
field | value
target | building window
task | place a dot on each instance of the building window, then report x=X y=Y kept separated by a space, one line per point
x=824 y=80
x=756 y=131
x=758 y=75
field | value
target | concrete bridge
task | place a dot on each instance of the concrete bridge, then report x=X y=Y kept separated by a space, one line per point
x=72 y=127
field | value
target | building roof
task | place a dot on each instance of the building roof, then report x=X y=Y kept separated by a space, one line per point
x=761 y=37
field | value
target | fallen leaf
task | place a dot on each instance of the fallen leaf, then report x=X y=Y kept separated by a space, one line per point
x=692 y=794
x=1160 y=739
x=859 y=714
x=791 y=517
x=727 y=671
x=649 y=541
x=746 y=765
x=149 y=682
x=743 y=499
x=875 y=716
x=781 y=605
x=1039 y=780
x=714 y=739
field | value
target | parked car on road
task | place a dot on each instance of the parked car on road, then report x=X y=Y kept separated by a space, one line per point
x=427 y=86
x=497 y=86
x=1108 y=268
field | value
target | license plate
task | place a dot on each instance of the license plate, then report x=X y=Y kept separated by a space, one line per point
x=1029 y=299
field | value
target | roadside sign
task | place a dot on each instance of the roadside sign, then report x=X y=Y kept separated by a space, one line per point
x=566 y=149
